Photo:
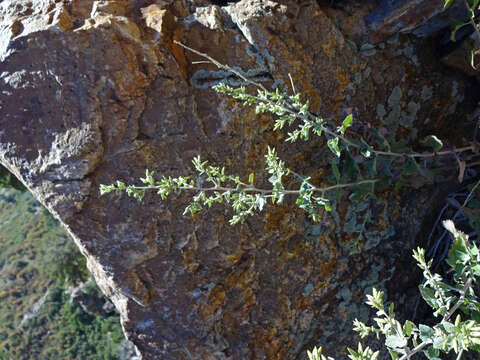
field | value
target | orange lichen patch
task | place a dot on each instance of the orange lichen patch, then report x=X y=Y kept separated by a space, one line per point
x=342 y=82
x=249 y=298
x=326 y=239
x=232 y=259
x=304 y=302
x=342 y=78
x=240 y=279
x=189 y=255
x=311 y=93
x=216 y=298
x=279 y=220
x=273 y=344
x=319 y=176
x=325 y=272
x=179 y=55
x=147 y=151
x=330 y=46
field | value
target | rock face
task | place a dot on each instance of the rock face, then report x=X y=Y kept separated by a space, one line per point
x=95 y=91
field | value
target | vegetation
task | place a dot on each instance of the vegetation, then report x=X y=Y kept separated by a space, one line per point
x=38 y=261
x=403 y=341
x=8 y=180
x=357 y=165
x=360 y=164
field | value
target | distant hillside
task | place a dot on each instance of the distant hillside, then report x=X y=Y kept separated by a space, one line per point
x=38 y=261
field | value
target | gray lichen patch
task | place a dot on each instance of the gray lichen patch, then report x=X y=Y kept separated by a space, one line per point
x=408 y=117
x=399 y=112
x=204 y=79
x=367 y=50
x=456 y=97
x=395 y=97
x=426 y=93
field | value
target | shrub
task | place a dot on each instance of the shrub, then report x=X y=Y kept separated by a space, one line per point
x=358 y=166
x=451 y=332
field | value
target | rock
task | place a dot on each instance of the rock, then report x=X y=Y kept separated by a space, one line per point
x=422 y=18
x=461 y=59
x=111 y=95
x=90 y=300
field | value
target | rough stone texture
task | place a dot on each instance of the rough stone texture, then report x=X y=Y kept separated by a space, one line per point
x=420 y=17
x=95 y=91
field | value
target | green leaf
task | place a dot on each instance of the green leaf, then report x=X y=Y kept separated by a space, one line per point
x=394 y=355
x=371 y=166
x=395 y=341
x=411 y=166
x=431 y=353
x=347 y=122
x=333 y=146
x=447 y=3
x=251 y=178
x=432 y=142
x=335 y=171
x=476 y=270
x=350 y=168
x=429 y=296
x=455 y=27
x=426 y=332
x=439 y=342
x=408 y=327
x=458 y=253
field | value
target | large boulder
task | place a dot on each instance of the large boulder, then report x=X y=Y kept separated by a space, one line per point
x=95 y=91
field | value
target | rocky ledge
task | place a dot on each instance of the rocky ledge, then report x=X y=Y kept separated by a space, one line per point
x=95 y=91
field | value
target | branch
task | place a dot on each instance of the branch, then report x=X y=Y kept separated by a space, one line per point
x=261 y=191
x=309 y=118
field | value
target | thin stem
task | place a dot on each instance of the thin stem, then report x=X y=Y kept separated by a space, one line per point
x=460 y=354
x=475 y=27
x=261 y=191
x=220 y=65
x=472 y=20
x=460 y=300
x=416 y=350
x=308 y=118
x=470 y=194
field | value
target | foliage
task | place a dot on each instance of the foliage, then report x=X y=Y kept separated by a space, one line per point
x=357 y=164
x=472 y=6
x=33 y=249
x=8 y=180
x=64 y=263
x=361 y=161
x=446 y=300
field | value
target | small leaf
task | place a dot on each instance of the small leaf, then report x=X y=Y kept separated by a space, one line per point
x=432 y=142
x=426 y=332
x=333 y=146
x=411 y=167
x=335 y=171
x=447 y=3
x=347 y=122
x=251 y=178
x=395 y=341
x=431 y=353
x=408 y=327
x=455 y=27
x=429 y=296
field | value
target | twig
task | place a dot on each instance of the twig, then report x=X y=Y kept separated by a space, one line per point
x=220 y=65
x=470 y=194
x=460 y=300
x=308 y=118
x=262 y=191
x=416 y=350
